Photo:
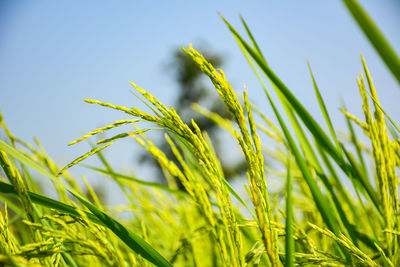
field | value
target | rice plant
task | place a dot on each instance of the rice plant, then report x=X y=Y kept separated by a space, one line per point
x=319 y=199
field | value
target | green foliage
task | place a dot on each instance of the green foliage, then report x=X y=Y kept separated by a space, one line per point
x=375 y=36
x=338 y=211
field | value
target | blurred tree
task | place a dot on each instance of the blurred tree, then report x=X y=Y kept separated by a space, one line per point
x=192 y=89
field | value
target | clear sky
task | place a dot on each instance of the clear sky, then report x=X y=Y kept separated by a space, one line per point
x=54 y=53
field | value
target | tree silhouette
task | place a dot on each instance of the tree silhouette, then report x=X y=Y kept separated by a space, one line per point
x=192 y=89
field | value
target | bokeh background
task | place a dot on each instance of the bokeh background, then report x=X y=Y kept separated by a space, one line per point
x=54 y=53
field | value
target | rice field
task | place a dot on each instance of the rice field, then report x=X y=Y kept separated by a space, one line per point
x=327 y=199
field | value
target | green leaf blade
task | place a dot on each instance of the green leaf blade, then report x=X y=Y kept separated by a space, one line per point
x=375 y=36
x=136 y=243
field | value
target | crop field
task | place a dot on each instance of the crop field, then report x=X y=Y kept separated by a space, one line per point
x=334 y=199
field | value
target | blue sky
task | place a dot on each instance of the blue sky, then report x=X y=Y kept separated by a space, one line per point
x=54 y=53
